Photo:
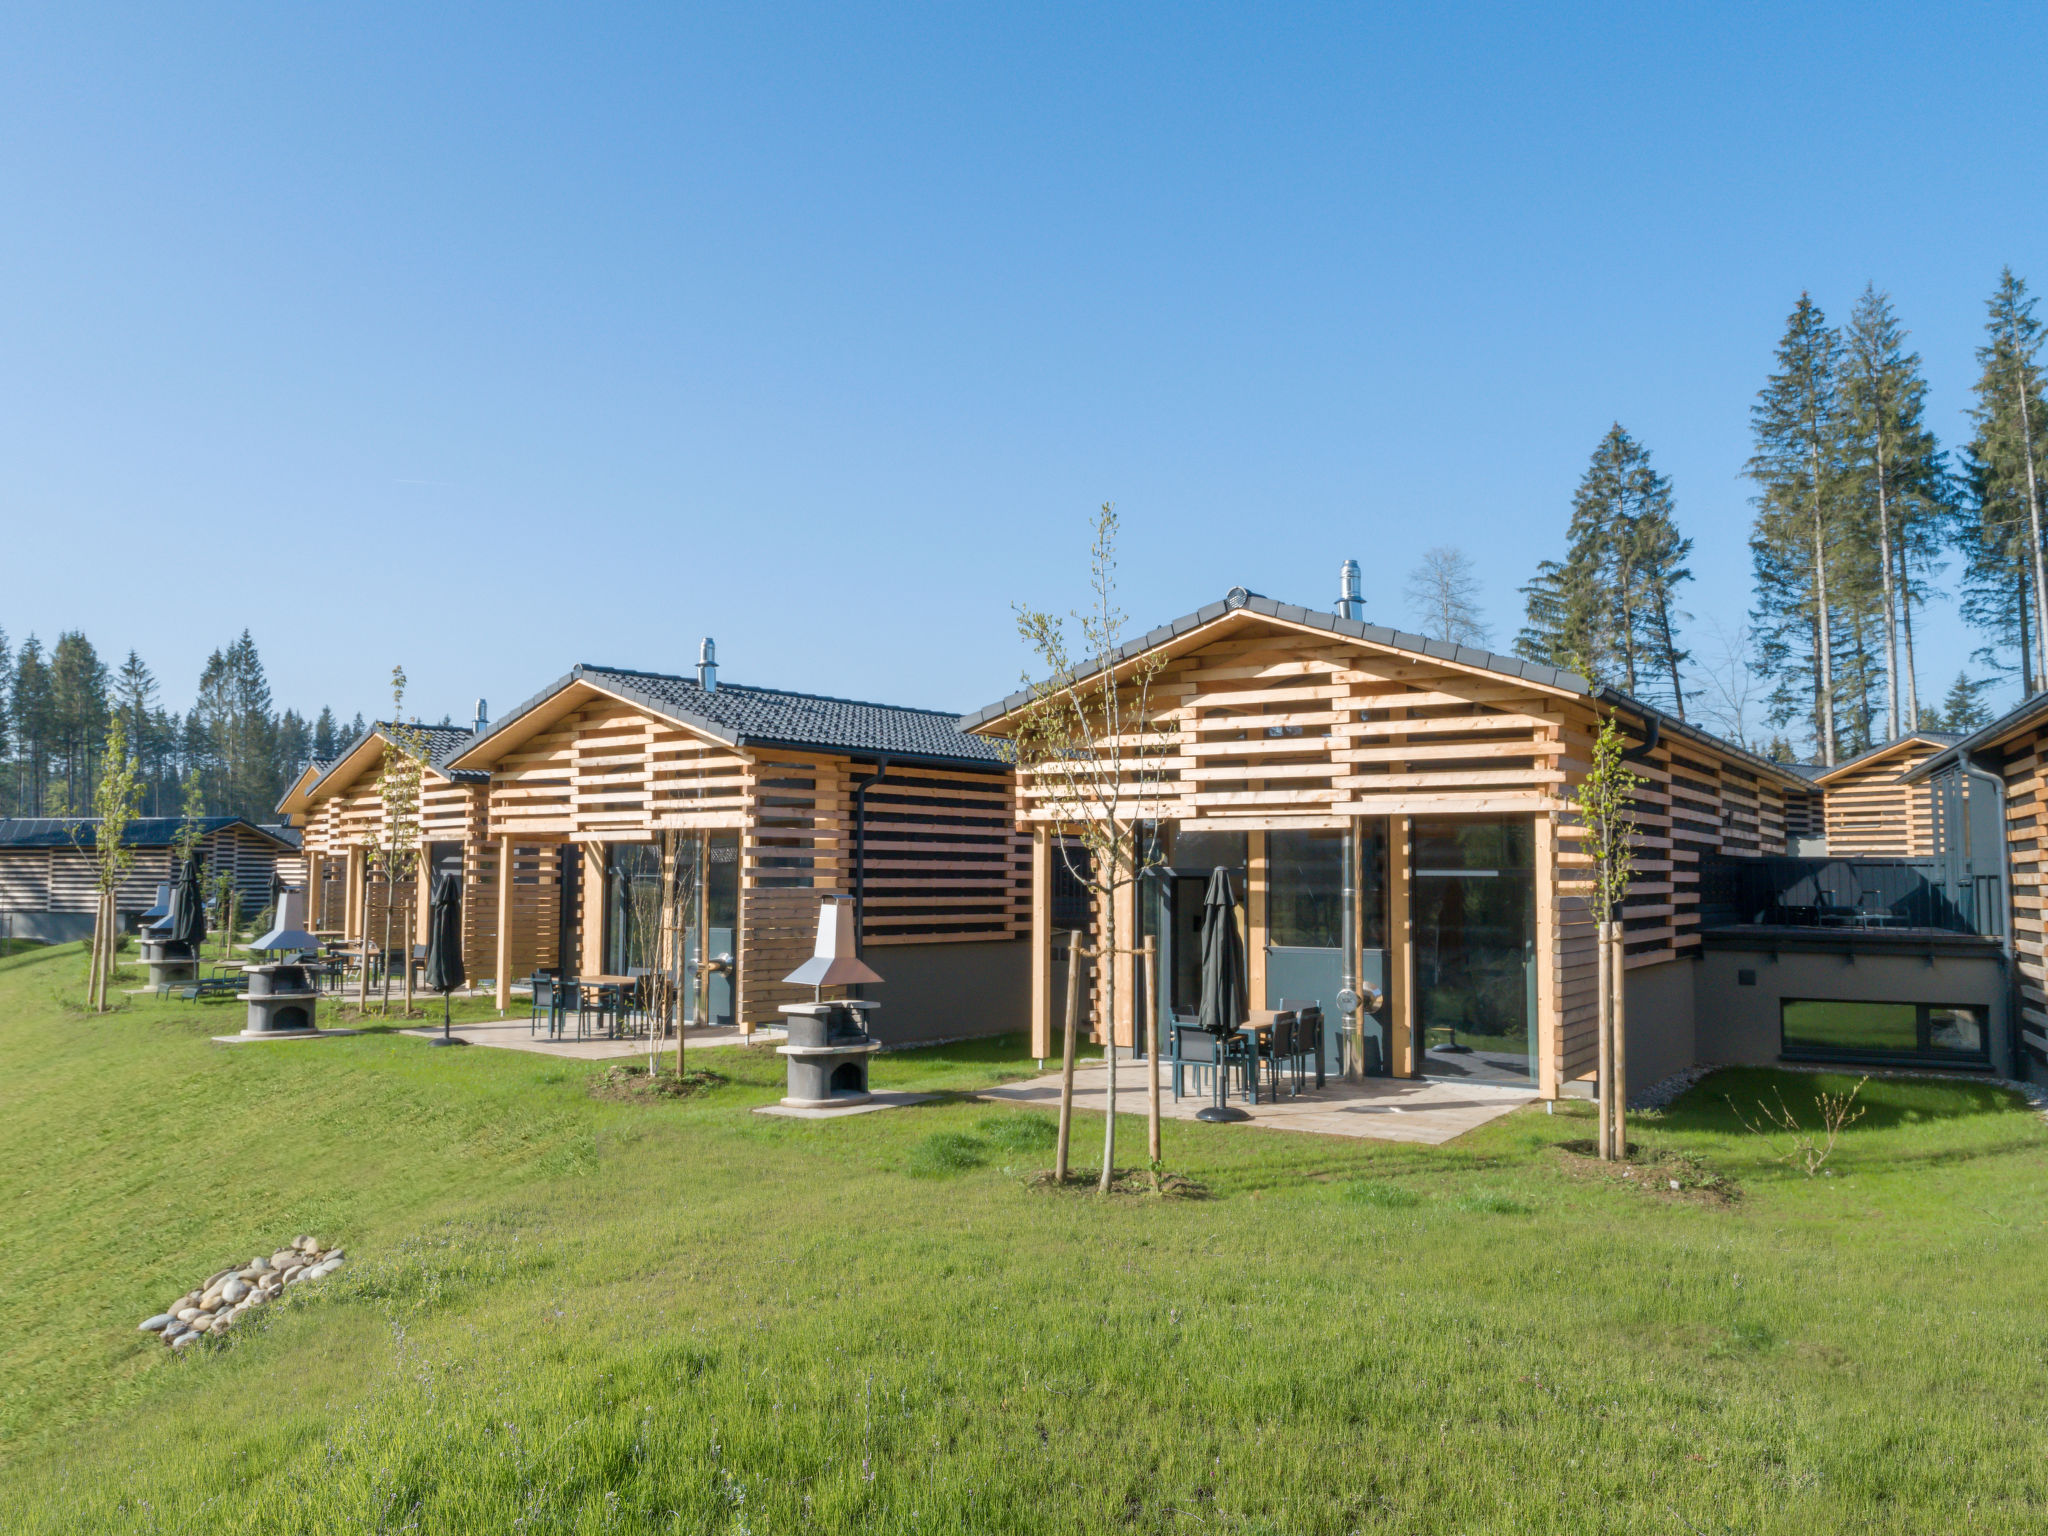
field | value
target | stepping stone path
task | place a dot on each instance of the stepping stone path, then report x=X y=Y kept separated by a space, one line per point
x=213 y=1308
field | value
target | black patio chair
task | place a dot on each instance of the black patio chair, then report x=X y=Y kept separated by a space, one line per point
x=1308 y=1044
x=1197 y=1051
x=544 y=1005
x=1276 y=1050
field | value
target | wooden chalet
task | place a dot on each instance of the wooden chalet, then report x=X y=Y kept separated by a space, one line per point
x=766 y=800
x=1870 y=810
x=339 y=808
x=1378 y=791
x=1990 y=792
x=49 y=882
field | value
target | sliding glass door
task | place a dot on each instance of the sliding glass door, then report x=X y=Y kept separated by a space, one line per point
x=1475 y=945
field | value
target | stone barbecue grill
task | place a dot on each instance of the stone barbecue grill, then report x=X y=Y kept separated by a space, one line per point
x=829 y=1044
x=281 y=994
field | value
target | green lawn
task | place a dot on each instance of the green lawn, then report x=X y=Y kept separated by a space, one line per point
x=568 y=1314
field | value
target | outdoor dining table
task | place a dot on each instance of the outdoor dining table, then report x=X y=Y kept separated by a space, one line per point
x=613 y=991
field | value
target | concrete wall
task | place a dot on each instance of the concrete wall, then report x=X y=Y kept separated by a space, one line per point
x=950 y=991
x=54 y=927
x=1662 y=1009
x=1738 y=1021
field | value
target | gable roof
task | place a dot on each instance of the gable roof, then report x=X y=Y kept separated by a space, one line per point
x=1935 y=739
x=294 y=798
x=142 y=832
x=1240 y=600
x=742 y=716
x=443 y=742
x=2029 y=711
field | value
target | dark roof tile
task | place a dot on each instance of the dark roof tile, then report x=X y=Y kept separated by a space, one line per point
x=745 y=715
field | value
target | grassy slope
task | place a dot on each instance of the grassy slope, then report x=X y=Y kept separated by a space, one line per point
x=579 y=1315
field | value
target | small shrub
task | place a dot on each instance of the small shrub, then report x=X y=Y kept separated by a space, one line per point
x=945 y=1153
x=1020 y=1133
x=1391 y=1197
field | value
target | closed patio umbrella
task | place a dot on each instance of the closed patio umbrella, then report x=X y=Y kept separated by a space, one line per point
x=444 y=946
x=1223 y=981
x=188 y=909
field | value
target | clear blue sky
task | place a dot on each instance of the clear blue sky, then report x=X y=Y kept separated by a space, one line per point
x=500 y=338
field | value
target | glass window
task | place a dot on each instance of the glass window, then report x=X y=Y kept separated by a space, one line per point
x=1208 y=850
x=632 y=907
x=1876 y=1030
x=1305 y=889
x=1474 y=845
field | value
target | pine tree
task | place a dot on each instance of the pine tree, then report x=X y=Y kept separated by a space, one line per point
x=32 y=725
x=78 y=703
x=1893 y=477
x=1964 y=709
x=1797 y=469
x=2005 y=586
x=7 y=768
x=1609 y=606
x=324 y=744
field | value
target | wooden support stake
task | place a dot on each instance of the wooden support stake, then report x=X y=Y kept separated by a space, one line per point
x=1152 y=1061
x=1619 y=973
x=1059 y=1167
x=1603 y=1021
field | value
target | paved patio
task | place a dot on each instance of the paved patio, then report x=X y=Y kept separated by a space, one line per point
x=515 y=1034
x=1426 y=1110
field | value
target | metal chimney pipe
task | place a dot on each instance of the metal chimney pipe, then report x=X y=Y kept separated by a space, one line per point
x=483 y=716
x=707 y=665
x=1350 y=604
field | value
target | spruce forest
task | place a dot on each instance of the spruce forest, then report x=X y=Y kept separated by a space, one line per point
x=57 y=702
x=1862 y=518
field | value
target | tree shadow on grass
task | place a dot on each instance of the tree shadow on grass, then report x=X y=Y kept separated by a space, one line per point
x=1887 y=1102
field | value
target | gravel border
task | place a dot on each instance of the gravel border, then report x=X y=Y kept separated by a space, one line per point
x=1661 y=1094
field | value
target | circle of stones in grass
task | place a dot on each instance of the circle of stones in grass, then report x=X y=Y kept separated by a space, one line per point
x=228 y=1294
x=629 y=1082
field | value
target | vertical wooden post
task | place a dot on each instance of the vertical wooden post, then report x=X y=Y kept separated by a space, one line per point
x=352 y=923
x=1605 y=1029
x=1258 y=894
x=1067 y=1056
x=504 y=956
x=591 y=891
x=1152 y=1057
x=1619 y=975
x=1042 y=855
x=1549 y=1023
x=1404 y=1020
x=1123 y=1028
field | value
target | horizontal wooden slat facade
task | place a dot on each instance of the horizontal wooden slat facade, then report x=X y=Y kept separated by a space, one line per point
x=1804 y=816
x=1870 y=814
x=944 y=859
x=67 y=879
x=536 y=908
x=346 y=832
x=2023 y=764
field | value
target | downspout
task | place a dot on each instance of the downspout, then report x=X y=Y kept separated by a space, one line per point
x=1641 y=752
x=860 y=856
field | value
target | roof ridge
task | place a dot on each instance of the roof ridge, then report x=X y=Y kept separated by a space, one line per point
x=786 y=693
